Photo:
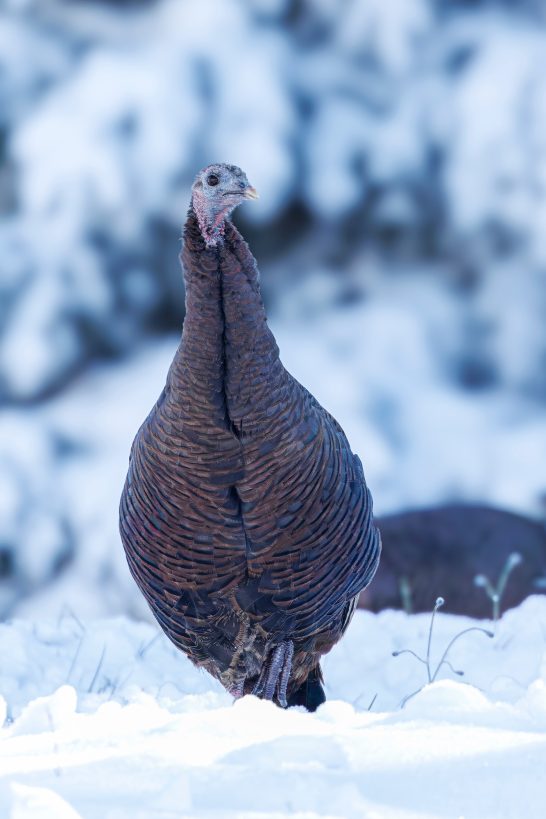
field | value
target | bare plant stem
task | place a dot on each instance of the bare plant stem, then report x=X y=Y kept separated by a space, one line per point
x=439 y=603
x=495 y=594
x=97 y=670
x=443 y=661
x=453 y=641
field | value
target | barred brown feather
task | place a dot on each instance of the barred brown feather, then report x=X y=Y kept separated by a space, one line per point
x=245 y=516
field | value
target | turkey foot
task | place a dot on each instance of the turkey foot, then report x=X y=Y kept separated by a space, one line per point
x=275 y=674
x=238 y=689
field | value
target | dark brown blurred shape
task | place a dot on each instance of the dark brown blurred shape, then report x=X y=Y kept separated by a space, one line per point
x=441 y=551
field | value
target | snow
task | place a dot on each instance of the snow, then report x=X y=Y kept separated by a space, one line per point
x=377 y=116
x=399 y=152
x=492 y=175
x=107 y=148
x=107 y=719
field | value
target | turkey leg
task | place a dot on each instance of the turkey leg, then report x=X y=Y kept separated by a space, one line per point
x=275 y=674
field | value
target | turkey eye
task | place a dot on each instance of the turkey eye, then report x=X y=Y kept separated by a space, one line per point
x=212 y=179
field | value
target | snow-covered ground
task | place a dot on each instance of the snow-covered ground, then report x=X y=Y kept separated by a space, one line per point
x=107 y=720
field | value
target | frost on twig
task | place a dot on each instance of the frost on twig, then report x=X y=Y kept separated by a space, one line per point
x=433 y=673
x=495 y=593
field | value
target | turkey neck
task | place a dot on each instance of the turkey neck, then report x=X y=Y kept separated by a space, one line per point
x=254 y=376
x=195 y=383
x=226 y=373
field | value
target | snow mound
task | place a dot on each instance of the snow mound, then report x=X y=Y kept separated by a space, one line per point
x=109 y=720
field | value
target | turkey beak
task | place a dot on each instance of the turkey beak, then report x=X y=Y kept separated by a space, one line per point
x=251 y=193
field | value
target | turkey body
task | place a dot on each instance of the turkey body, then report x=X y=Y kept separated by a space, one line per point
x=245 y=516
x=440 y=551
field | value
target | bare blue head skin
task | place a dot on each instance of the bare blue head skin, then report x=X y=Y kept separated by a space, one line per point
x=217 y=190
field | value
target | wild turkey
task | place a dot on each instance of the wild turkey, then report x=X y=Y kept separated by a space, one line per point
x=441 y=551
x=245 y=516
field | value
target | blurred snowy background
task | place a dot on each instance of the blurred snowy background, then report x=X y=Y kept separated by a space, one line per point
x=399 y=148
